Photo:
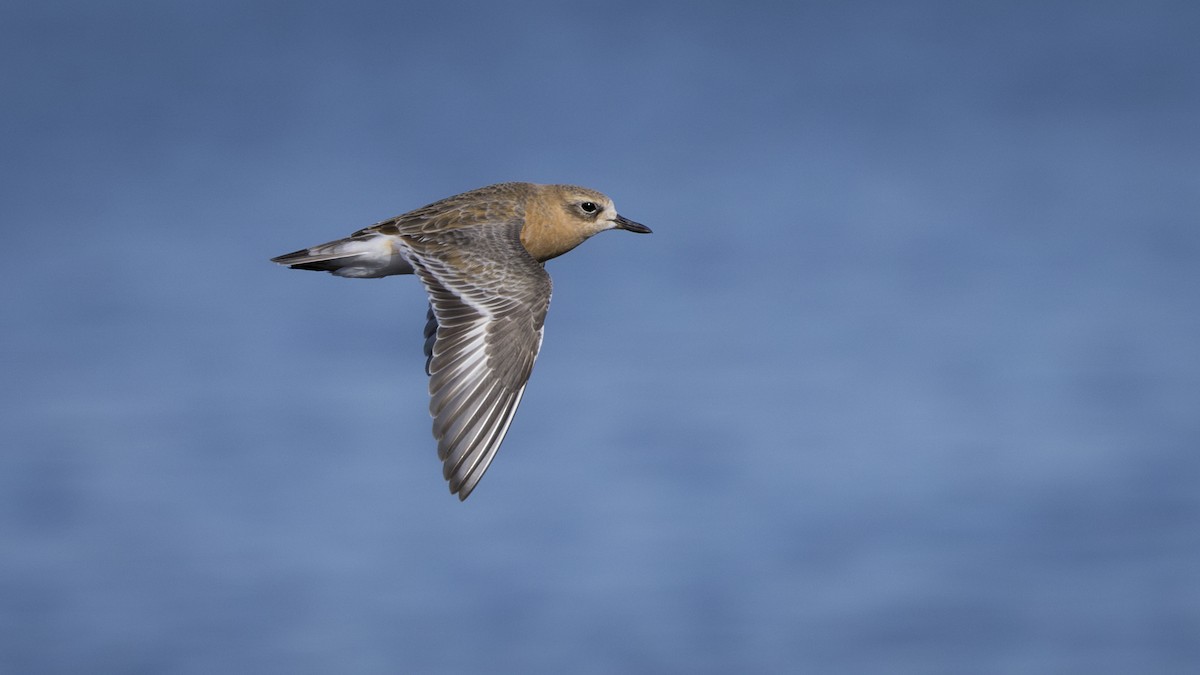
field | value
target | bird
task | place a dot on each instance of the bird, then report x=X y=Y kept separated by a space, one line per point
x=480 y=256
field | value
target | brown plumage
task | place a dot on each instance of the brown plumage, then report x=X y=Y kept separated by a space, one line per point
x=479 y=255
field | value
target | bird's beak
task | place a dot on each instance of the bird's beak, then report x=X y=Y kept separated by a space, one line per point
x=627 y=224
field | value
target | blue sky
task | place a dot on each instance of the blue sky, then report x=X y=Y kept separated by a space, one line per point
x=905 y=380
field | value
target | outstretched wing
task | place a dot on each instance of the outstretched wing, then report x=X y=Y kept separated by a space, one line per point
x=489 y=298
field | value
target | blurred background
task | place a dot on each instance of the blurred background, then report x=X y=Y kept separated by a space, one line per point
x=907 y=379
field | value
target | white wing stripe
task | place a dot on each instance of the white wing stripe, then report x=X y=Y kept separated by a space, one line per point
x=482 y=437
x=476 y=470
x=466 y=432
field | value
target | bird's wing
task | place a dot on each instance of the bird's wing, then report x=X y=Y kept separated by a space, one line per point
x=488 y=300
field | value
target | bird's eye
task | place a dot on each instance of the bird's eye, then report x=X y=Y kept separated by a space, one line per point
x=589 y=207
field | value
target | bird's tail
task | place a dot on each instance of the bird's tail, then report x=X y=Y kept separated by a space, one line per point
x=356 y=256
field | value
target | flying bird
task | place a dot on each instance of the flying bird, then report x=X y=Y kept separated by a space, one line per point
x=480 y=256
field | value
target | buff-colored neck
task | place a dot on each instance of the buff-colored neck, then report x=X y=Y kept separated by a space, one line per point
x=549 y=232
